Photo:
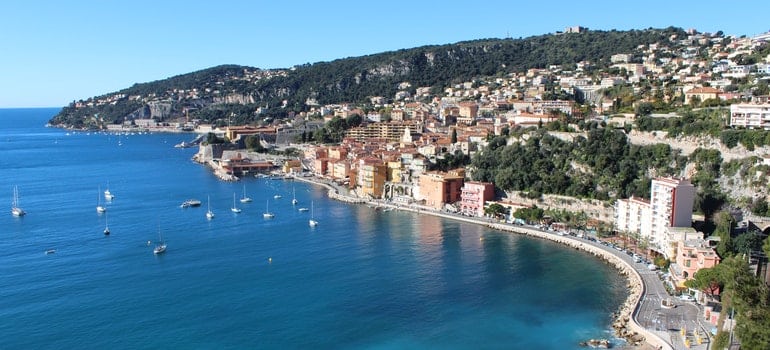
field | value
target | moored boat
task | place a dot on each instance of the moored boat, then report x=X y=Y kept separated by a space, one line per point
x=15 y=208
x=191 y=203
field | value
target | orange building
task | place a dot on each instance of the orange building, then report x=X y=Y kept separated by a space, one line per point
x=371 y=176
x=438 y=189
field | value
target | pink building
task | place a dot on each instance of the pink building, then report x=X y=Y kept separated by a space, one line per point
x=691 y=256
x=473 y=195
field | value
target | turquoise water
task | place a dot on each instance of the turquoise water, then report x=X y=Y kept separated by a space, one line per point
x=362 y=279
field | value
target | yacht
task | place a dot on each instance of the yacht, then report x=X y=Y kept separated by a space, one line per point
x=15 y=208
x=312 y=222
x=191 y=203
x=107 y=194
x=267 y=214
x=161 y=246
x=245 y=199
x=209 y=213
x=235 y=209
x=99 y=207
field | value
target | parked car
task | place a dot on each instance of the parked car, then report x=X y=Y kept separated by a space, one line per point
x=687 y=297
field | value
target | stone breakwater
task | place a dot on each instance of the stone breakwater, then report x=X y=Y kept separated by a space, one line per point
x=625 y=324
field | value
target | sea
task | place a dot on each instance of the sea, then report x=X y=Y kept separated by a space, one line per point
x=361 y=279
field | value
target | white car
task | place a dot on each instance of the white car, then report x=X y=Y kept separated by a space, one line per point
x=687 y=297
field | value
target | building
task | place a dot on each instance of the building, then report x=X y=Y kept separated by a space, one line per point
x=671 y=202
x=392 y=131
x=632 y=216
x=371 y=176
x=692 y=254
x=670 y=205
x=752 y=116
x=438 y=189
x=701 y=94
x=473 y=196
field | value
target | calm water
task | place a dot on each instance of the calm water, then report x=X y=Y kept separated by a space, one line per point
x=362 y=279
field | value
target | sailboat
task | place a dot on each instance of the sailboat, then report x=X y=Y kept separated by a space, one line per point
x=235 y=209
x=312 y=222
x=245 y=199
x=294 y=200
x=99 y=208
x=161 y=246
x=107 y=194
x=267 y=214
x=15 y=208
x=209 y=213
x=106 y=227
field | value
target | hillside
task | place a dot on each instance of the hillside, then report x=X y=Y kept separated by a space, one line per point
x=219 y=92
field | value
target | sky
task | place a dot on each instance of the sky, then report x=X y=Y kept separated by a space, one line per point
x=55 y=52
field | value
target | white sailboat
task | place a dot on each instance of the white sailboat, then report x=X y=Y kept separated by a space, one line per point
x=107 y=194
x=161 y=246
x=245 y=199
x=312 y=222
x=267 y=214
x=209 y=213
x=15 y=208
x=235 y=209
x=99 y=208
x=294 y=200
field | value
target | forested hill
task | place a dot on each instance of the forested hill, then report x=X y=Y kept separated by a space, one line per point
x=355 y=79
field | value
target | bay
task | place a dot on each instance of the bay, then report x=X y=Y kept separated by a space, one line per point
x=362 y=279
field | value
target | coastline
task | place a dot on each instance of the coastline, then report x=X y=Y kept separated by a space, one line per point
x=625 y=322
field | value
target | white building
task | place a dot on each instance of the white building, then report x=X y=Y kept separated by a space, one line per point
x=632 y=215
x=750 y=116
x=670 y=205
x=671 y=201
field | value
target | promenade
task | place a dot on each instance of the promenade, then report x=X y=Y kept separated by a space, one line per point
x=642 y=319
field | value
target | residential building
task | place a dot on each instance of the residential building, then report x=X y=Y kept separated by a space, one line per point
x=752 y=116
x=372 y=173
x=671 y=201
x=438 y=189
x=633 y=216
x=670 y=205
x=692 y=254
x=392 y=131
x=474 y=195
x=701 y=94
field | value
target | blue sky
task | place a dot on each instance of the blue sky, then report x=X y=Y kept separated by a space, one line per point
x=54 y=52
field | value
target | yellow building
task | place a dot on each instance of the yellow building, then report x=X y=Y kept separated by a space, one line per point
x=292 y=166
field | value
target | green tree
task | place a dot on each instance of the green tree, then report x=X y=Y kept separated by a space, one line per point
x=495 y=210
x=709 y=280
x=454 y=135
x=253 y=143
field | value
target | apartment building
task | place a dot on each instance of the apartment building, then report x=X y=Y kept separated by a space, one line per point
x=670 y=205
x=671 y=201
x=473 y=196
x=438 y=188
x=632 y=215
x=750 y=115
